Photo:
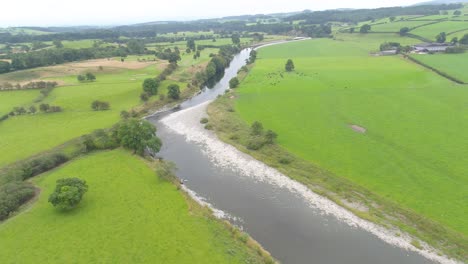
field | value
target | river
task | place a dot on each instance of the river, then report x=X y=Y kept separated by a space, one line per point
x=292 y=223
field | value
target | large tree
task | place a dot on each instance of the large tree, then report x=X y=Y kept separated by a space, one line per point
x=138 y=135
x=235 y=39
x=442 y=37
x=289 y=65
x=365 y=28
x=173 y=91
x=68 y=193
x=150 y=86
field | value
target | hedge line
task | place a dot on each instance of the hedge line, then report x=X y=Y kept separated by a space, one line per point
x=441 y=73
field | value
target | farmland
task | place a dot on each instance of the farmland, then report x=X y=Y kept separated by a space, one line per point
x=337 y=87
x=451 y=64
x=162 y=225
x=431 y=31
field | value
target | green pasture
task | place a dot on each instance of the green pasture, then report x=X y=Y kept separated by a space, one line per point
x=414 y=150
x=396 y=26
x=128 y=215
x=431 y=31
x=10 y=99
x=455 y=65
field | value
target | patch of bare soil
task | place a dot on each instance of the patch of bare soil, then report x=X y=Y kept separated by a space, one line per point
x=358 y=129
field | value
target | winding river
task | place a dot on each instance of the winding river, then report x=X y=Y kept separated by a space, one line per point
x=292 y=223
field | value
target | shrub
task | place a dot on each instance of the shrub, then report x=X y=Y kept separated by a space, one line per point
x=270 y=137
x=289 y=66
x=204 y=120
x=144 y=97
x=150 y=86
x=455 y=50
x=100 y=105
x=173 y=91
x=81 y=78
x=90 y=77
x=42 y=164
x=233 y=83
x=255 y=143
x=124 y=114
x=13 y=195
x=68 y=193
x=256 y=128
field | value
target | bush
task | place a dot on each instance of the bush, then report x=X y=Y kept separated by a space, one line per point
x=204 y=120
x=233 y=83
x=68 y=193
x=255 y=143
x=13 y=195
x=150 y=86
x=100 y=105
x=455 y=50
x=289 y=66
x=173 y=91
x=256 y=128
x=144 y=97
x=42 y=164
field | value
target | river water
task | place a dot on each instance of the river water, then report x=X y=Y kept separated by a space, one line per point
x=292 y=223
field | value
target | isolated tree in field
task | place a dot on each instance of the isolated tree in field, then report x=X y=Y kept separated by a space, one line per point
x=58 y=44
x=138 y=135
x=90 y=77
x=442 y=37
x=235 y=39
x=289 y=66
x=404 y=31
x=233 y=83
x=256 y=129
x=457 y=13
x=365 y=28
x=270 y=137
x=68 y=193
x=150 y=86
x=81 y=78
x=173 y=91
x=464 y=40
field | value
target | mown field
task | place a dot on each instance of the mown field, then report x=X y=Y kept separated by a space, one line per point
x=129 y=215
x=413 y=152
x=455 y=65
x=26 y=135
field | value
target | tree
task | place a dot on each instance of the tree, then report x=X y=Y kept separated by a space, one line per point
x=81 y=78
x=90 y=77
x=138 y=135
x=270 y=137
x=351 y=30
x=44 y=107
x=457 y=13
x=392 y=19
x=150 y=86
x=235 y=39
x=289 y=66
x=233 y=83
x=173 y=91
x=173 y=57
x=454 y=40
x=32 y=109
x=442 y=37
x=256 y=129
x=4 y=66
x=191 y=44
x=136 y=46
x=404 y=31
x=68 y=193
x=365 y=28
x=58 y=44
x=100 y=105
x=464 y=40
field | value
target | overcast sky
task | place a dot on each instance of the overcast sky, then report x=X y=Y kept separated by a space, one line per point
x=107 y=12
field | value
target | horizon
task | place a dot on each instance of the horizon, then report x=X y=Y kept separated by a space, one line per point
x=83 y=15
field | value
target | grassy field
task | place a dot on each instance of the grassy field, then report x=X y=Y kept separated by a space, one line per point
x=117 y=85
x=431 y=31
x=455 y=65
x=10 y=99
x=413 y=151
x=113 y=225
x=396 y=26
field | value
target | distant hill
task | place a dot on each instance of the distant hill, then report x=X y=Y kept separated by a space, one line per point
x=439 y=2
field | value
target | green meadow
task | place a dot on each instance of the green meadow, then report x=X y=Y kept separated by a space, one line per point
x=396 y=26
x=452 y=64
x=431 y=31
x=128 y=215
x=10 y=99
x=413 y=152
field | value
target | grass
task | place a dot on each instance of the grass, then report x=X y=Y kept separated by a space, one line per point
x=112 y=224
x=396 y=26
x=10 y=99
x=120 y=87
x=431 y=31
x=412 y=155
x=455 y=65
